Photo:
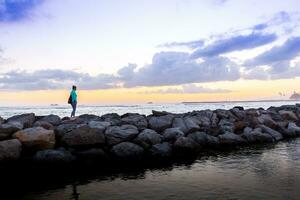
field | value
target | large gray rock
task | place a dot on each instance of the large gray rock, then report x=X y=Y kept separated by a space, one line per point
x=293 y=129
x=185 y=144
x=288 y=115
x=44 y=124
x=26 y=120
x=51 y=119
x=161 y=150
x=1 y=120
x=10 y=150
x=267 y=120
x=226 y=125
x=84 y=136
x=256 y=135
x=117 y=134
x=62 y=129
x=99 y=125
x=7 y=129
x=89 y=117
x=36 y=138
x=127 y=150
x=275 y=134
x=178 y=122
x=148 y=137
x=191 y=124
x=204 y=139
x=160 y=123
x=229 y=138
x=172 y=134
x=53 y=156
x=135 y=119
x=113 y=118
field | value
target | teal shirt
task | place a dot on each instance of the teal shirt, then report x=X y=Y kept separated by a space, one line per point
x=74 y=96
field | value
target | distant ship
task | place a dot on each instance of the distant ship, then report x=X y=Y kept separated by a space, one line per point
x=295 y=96
x=54 y=104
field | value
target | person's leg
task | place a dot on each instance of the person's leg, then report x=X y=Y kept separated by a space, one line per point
x=75 y=105
x=73 y=109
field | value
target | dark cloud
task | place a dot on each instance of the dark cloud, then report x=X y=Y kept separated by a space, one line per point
x=234 y=43
x=17 y=10
x=287 y=51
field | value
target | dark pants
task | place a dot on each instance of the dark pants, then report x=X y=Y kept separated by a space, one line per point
x=74 y=104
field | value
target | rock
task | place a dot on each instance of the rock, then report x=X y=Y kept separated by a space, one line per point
x=99 y=125
x=178 y=122
x=36 y=138
x=288 y=115
x=229 y=138
x=161 y=150
x=89 y=117
x=113 y=118
x=84 y=136
x=267 y=120
x=172 y=134
x=256 y=135
x=51 y=119
x=117 y=134
x=160 y=113
x=26 y=120
x=62 y=129
x=275 y=134
x=160 y=123
x=91 y=155
x=127 y=150
x=43 y=124
x=75 y=120
x=204 y=139
x=137 y=120
x=185 y=144
x=293 y=129
x=10 y=150
x=240 y=114
x=190 y=124
x=238 y=107
x=2 y=121
x=148 y=137
x=53 y=156
x=226 y=125
x=239 y=126
x=7 y=129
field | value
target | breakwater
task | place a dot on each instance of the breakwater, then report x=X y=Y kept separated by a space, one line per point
x=132 y=136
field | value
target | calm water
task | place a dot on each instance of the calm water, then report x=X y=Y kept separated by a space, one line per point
x=65 y=110
x=264 y=172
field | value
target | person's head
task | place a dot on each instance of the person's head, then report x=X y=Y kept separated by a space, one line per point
x=74 y=87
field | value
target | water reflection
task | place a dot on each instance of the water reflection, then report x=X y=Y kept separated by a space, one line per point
x=260 y=172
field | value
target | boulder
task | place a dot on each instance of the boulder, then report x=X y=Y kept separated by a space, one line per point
x=256 y=135
x=36 y=138
x=275 y=134
x=160 y=113
x=62 y=129
x=178 y=122
x=10 y=150
x=191 y=124
x=226 y=125
x=267 y=120
x=113 y=118
x=293 y=129
x=91 y=155
x=26 y=120
x=185 y=144
x=53 y=156
x=172 y=134
x=99 y=125
x=51 y=119
x=89 y=117
x=288 y=115
x=229 y=138
x=75 y=120
x=43 y=124
x=7 y=129
x=137 y=120
x=160 y=123
x=84 y=136
x=2 y=121
x=127 y=150
x=161 y=150
x=204 y=139
x=148 y=137
x=117 y=134
x=239 y=114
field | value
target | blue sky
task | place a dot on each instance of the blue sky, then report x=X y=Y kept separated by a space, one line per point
x=97 y=44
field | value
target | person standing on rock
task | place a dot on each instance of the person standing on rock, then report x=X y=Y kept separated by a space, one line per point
x=73 y=100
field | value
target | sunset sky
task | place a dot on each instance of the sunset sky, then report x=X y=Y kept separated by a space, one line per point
x=133 y=51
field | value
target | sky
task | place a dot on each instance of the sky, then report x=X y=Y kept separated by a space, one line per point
x=132 y=51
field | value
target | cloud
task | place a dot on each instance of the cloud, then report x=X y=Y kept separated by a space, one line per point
x=190 y=44
x=17 y=10
x=54 y=79
x=187 y=89
x=173 y=68
x=234 y=43
x=287 y=51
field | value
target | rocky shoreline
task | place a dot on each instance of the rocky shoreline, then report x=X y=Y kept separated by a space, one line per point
x=28 y=138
